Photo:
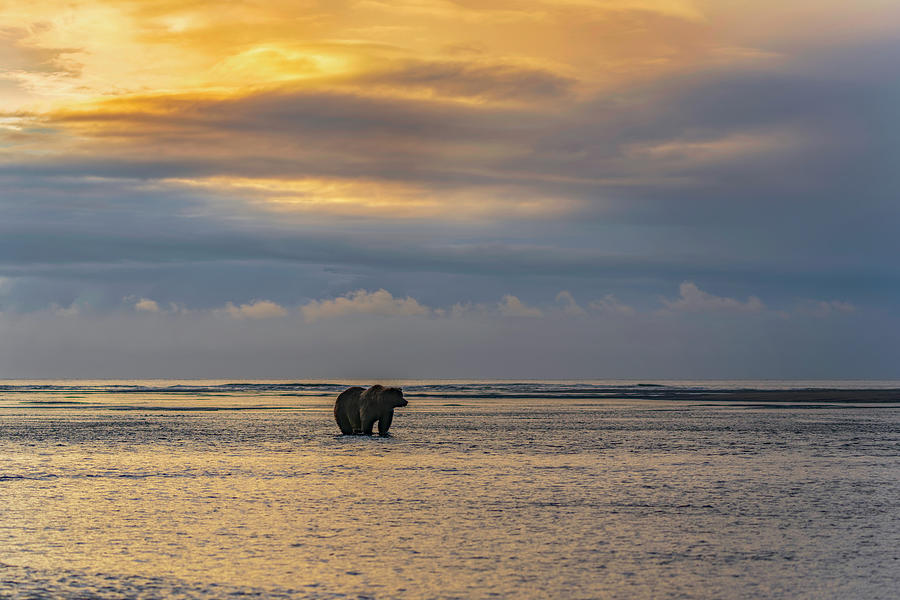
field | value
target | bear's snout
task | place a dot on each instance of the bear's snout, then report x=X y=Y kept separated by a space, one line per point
x=403 y=402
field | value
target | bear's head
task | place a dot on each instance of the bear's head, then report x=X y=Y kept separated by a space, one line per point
x=394 y=396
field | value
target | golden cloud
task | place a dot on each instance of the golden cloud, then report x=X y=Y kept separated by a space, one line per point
x=367 y=107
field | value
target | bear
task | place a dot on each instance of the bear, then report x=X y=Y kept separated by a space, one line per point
x=356 y=410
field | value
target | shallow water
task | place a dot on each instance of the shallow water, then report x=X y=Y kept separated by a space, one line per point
x=539 y=491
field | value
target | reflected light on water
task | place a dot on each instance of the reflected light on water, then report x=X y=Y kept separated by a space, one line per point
x=534 y=498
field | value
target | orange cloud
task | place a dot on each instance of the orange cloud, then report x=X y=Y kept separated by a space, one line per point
x=413 y=109
x=258 y=309
x=379 y=302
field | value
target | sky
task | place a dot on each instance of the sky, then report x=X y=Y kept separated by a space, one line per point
x=657 y=189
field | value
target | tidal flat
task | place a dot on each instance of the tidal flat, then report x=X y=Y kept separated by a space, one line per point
x=568 y=490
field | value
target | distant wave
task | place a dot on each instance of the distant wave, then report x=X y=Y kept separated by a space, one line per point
x=744 y=390
x=171 y=389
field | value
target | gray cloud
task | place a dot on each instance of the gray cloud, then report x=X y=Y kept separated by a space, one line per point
x=478 y=80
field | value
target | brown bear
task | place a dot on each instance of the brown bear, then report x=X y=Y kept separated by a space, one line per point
x=356 y=410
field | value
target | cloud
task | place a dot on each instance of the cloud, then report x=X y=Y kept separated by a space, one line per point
x=511 y=306
x=568 y=304
x=69 y=311
x=673 y=151
x=473 y=344
x=521 y=83
x=460 y=310
x=146 y=305
x=681 y=154
x=257 y=309
x=379 y=302
x=610 y=304
x=449 y=10
x=542 y=10
x=34 y=68
x=305 y=151
x=825 y=308
x=693 y=299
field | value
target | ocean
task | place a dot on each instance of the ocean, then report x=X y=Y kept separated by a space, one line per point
x=569 y=490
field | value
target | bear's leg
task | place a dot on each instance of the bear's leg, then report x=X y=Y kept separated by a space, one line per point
x=368 y=424
x=346 y=411
x=384 y=423
x=343 y=422
x=355 y=422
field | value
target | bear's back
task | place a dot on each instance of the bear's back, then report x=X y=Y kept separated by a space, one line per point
x=351 y=394
x=379 y=397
